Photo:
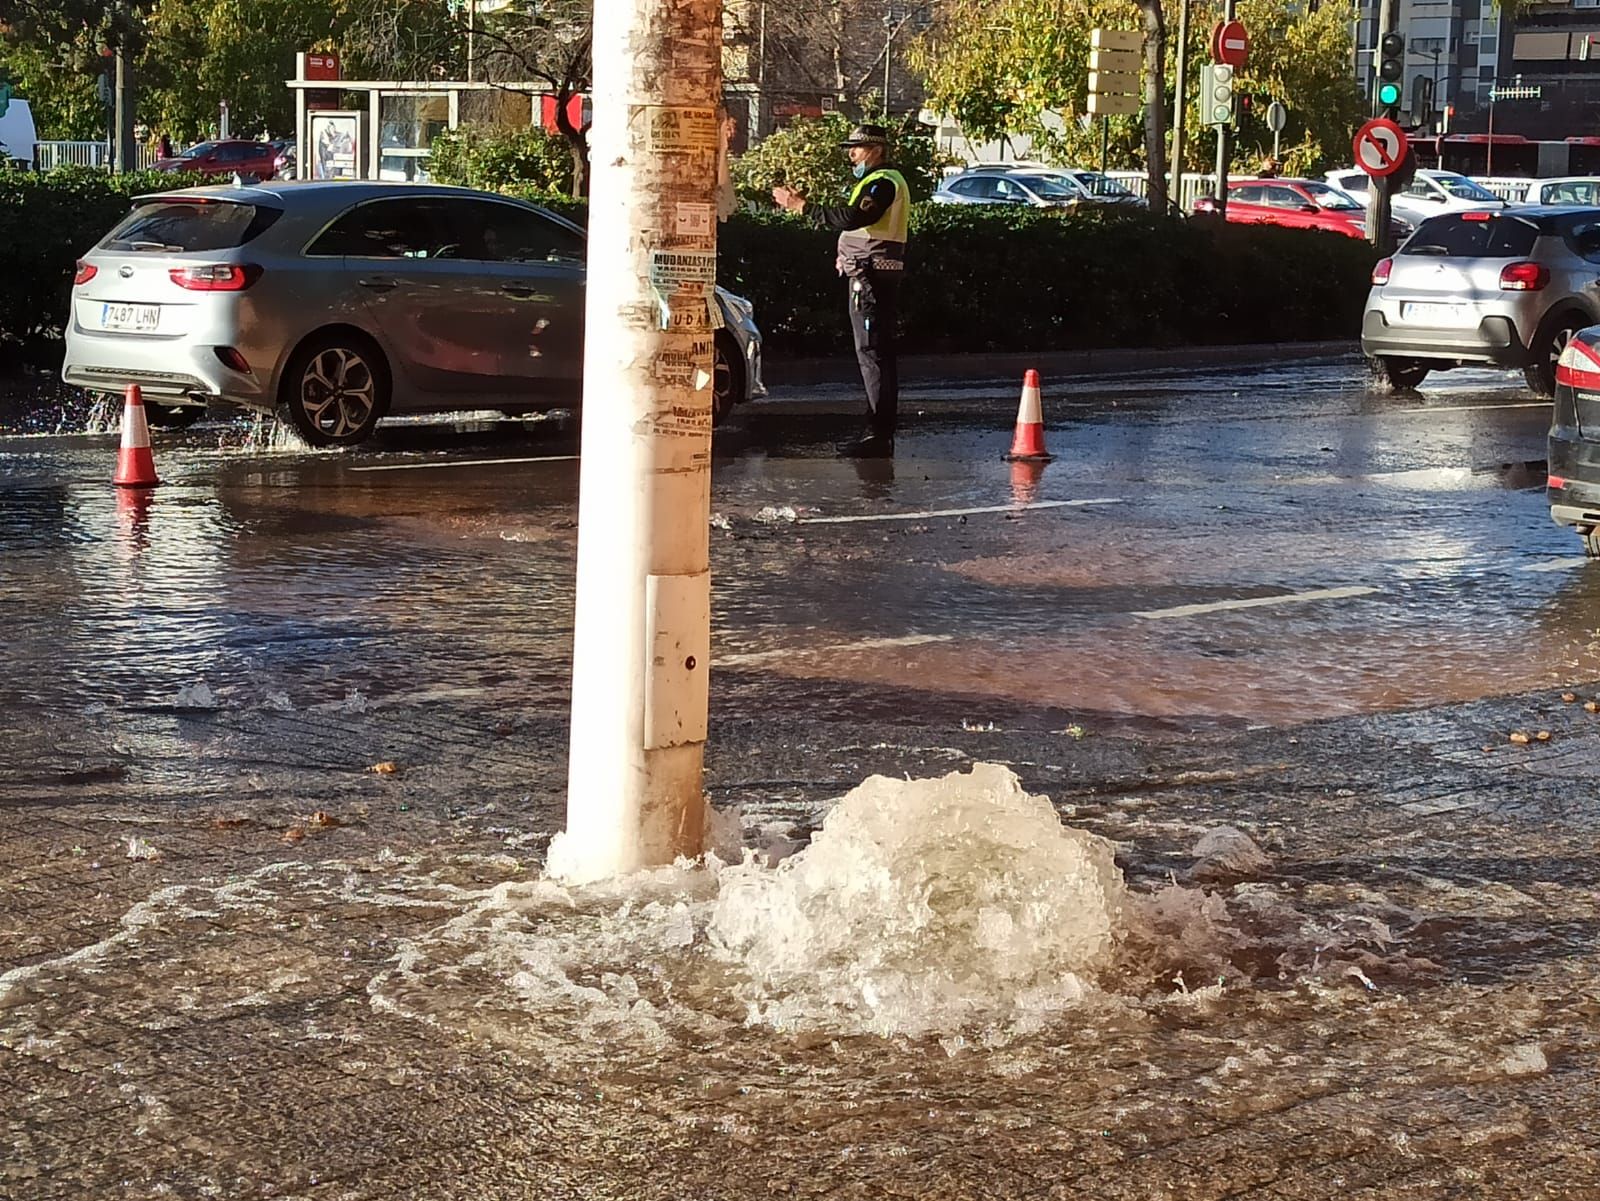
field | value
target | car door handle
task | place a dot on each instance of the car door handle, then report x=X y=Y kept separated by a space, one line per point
x=379 y=283
x=522 y=291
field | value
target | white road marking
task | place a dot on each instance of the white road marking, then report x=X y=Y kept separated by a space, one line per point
x=1038 y=504
x=464 y=463
x=866 y=644
x=1519 y=404
x=1563 y=564
x=1256 y=602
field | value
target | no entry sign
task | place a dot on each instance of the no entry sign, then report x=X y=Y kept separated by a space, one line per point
x=1380 y=147
x=1230 y=43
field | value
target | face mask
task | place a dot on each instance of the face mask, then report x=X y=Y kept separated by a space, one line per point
x=859 y=170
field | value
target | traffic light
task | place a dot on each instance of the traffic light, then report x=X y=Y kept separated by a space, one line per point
x=1391 y=66
x=1216 y=94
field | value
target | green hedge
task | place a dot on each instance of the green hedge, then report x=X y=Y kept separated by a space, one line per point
x=46 y=222
x=979 y=279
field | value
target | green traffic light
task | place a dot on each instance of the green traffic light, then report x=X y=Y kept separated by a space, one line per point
x=1388 y=93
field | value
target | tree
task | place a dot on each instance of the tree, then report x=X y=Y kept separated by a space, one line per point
x=548 y=42
x=55 y=50
x=1010 y=67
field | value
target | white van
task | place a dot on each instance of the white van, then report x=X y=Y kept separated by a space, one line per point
x=17 y=133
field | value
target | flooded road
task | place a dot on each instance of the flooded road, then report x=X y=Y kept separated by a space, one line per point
x=284 y=747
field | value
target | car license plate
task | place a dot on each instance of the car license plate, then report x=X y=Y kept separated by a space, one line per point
x=130 y=318
x=1441 y=316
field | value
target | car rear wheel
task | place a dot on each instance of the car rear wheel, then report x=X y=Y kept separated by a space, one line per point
x=336 y=389
x=1547 y=348
x=1401 y=373
x=727 y=378
x=172 y=417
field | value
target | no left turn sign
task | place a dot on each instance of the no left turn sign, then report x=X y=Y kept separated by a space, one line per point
x=1380 y=147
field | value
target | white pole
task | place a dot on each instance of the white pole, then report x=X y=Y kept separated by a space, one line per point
x=642 y=633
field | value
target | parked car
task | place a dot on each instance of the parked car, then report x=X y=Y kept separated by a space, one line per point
x=1500 y=287
x=257 y=160
x=340 y=302
x=1039 y=187
x=1573 y=455
x=1571 y=189
x=1298 y=204
x=284 y=151
x=1427 y=195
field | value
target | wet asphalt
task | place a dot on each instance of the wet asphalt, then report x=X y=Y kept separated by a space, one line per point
x=1261 y=597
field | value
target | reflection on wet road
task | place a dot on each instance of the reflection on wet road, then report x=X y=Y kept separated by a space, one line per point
x=1268 y=546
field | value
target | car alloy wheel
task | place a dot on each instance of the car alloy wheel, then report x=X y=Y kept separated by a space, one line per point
x=336 y=392
x=727 y=378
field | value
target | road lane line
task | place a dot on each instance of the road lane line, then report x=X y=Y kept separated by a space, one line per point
x=1563 y=564
x=465 y=463
x=1515 y=404
x=1038 y=504
x=866 y=644
x=1255 y=602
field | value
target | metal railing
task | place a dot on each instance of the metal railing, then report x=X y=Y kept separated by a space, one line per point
x=49 y=155
x=1193 y=185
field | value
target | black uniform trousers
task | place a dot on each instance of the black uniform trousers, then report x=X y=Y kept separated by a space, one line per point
x=875 y=317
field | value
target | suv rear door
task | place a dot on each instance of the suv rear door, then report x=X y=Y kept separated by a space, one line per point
x=1453 y=263
x=132 y=292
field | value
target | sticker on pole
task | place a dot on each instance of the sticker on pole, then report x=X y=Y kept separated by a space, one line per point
x=1380 y=147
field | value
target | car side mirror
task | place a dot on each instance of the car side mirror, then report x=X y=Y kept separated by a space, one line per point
x=1310 y=208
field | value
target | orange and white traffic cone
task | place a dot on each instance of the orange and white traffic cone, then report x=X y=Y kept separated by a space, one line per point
x=136 y=467
x=1027 y=444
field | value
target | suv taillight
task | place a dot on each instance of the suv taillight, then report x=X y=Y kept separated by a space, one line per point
x=1523 y=277
x=1380 y=273
x=221 y=277
x=86 y=272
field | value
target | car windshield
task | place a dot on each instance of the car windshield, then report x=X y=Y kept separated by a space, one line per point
x=1463 y=188
x=1100 y=185
x=188 y=227
x=199 y=151
x=1473 y=236
x=1330 y=197
x=1051 y=187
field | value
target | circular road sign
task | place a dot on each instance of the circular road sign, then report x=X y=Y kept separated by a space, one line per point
x=1230 y=43
x=1277 y=117
x=1380 y=147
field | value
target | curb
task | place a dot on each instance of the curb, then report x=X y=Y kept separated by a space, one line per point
x=1058 y=363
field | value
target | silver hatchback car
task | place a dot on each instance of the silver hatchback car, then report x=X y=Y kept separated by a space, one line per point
x=343 y=302
x=1503 y=287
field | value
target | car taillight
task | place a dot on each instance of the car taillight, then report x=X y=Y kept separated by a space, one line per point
x=1380 y=273
x=86 y=272
x=219 y=277
x=1555 y=481
x=1523 y=277
x=1476 y=216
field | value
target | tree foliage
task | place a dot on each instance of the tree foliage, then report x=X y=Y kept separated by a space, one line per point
x=501 y=159
x=806 y=156
x=1020 y=67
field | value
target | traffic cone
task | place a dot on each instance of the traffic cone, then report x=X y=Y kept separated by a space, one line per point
x=1027 y=443
x=136 y=467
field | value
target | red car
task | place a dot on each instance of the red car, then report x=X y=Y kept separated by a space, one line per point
x=1297 y=203
x=236 y=156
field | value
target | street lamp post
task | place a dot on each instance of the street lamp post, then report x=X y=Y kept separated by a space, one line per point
x=642 y=629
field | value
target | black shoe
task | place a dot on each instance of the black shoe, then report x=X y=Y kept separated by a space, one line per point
x=868 y=446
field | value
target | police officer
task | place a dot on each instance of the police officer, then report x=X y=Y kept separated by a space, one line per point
x=872 y=258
